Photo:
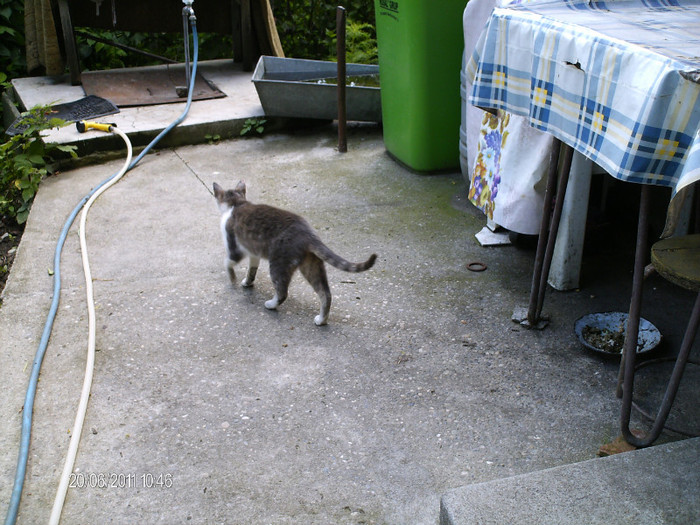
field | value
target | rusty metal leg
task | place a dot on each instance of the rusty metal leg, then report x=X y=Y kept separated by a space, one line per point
x=532 y=314
x=554 y=229
x=671 y=389
x=629 y=351
x=340 y=21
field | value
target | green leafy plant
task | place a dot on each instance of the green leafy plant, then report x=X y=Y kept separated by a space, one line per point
x=303 y=27
x=360 y=43
x=253 y=126
x=97 y=55
x=303 y=24
x=25 y=160
x=12 y=59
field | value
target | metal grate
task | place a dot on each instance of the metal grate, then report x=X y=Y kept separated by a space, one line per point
x=91 y=106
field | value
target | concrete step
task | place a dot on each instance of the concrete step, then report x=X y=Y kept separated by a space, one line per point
x=656 y=485
x=223 y=117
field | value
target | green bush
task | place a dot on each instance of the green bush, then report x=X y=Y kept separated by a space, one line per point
x=306 y=29
x=360 y=43
x=12 y=57
x=24 y=161
x=304 y=26
x=95 y=55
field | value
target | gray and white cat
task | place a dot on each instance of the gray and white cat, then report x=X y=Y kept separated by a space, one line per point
x=285 y=239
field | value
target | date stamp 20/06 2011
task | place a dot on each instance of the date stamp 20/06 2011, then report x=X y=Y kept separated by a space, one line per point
x=114 y=480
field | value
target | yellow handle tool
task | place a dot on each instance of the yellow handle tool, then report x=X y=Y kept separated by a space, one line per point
x=84 y=125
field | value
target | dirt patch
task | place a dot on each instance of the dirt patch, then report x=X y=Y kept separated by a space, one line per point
x=605 y=339
x=10 y=235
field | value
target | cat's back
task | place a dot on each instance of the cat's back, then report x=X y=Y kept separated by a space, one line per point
x=265 y=222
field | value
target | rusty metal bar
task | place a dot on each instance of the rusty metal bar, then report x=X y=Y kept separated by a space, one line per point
x=544 y=229
x=340 y=50
x=629 y=349
x=554 y=228
x=671 y=389
x=625 y=383
x=651 y=417
x=163 y=59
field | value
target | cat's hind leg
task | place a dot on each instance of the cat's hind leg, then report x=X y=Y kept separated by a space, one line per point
x=281 y=276
x=253 y=264
x=313 y=269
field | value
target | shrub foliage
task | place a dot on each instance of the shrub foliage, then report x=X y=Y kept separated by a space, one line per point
x=307 y=29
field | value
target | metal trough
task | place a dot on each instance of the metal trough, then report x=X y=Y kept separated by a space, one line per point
x=286 y=89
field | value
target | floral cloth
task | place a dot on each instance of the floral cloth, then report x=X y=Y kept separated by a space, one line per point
x=506 y=159
x=510 y=170
x=487 y=169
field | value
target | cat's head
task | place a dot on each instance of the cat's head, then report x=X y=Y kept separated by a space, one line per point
x=227 y=199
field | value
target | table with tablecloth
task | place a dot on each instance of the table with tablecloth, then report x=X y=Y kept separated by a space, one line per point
x=619 y=82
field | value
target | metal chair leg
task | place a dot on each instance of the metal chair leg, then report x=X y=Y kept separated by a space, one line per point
x=671 y=389
x=625 y=384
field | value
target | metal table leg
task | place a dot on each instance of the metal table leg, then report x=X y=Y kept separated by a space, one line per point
x=548 y=231
x=632 y=333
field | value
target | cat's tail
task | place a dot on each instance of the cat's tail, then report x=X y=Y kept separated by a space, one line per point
x=324 y=252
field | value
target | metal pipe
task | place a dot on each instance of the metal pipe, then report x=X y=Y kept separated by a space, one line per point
x=629 y=350
x=554 y=228
x=671 y=389
x=125 y=47
x=340 y=51
x=544 y=229
x=187 y=16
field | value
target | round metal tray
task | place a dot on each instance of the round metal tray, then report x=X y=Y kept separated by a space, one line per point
x=649 y=335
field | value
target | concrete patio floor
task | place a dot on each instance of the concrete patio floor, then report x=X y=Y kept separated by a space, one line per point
x=207 y=408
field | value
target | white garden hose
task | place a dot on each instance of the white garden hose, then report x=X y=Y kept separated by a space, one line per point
x=28 y=407
x=89 y=367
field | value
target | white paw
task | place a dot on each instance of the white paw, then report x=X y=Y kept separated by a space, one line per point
x=271 y=304
x=320 y=321
x=246 y=284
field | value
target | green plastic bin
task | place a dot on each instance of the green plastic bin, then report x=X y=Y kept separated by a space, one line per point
x=420 y=45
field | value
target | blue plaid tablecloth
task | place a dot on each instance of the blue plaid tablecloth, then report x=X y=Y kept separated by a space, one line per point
x=619 y=80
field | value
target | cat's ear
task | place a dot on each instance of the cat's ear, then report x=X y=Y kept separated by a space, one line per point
x=218 y=190
x=240 y=187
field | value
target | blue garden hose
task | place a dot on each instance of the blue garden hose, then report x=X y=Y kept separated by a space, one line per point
x=28 y=407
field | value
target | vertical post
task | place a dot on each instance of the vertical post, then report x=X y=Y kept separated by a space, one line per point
x=696 y=200
x=186 y=39
x=532 y=313
x=340 y=50
x=69 y=42
x=247 y=35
